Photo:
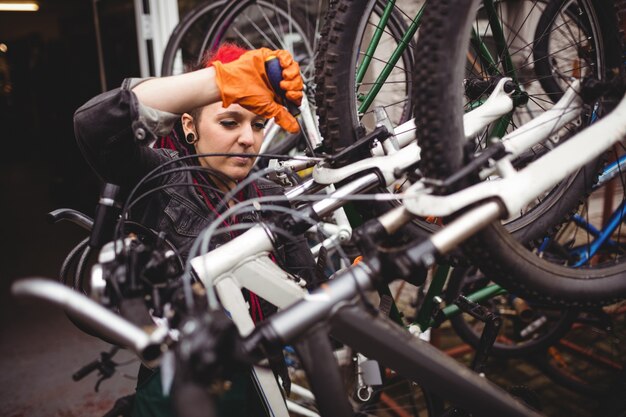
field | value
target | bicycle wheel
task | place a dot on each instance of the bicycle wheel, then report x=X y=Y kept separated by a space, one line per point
x=349 y=87
x=590 y=358
x=527 y=327
x=535 y=43
x=184 y=44
x=440 y=103
x=349 y=68
x=275 y=24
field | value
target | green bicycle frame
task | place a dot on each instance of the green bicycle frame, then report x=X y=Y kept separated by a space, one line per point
x=395 y=56
x=425 y=315
x=483 y=55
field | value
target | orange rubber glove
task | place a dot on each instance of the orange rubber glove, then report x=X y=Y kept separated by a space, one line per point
x=245 y=82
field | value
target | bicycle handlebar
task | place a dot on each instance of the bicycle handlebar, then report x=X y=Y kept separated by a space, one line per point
x=71 y=215
x=146 y=346
x=85 y=370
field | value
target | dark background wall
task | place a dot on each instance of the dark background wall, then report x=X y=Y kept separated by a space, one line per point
x=53 y=64
x=53 y=68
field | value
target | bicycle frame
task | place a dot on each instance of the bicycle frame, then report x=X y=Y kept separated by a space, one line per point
x=602 y=237
x=517 y=189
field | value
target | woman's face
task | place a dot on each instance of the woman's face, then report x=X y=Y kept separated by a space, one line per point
x=229 y=130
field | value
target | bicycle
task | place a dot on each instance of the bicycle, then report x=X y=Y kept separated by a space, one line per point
x=418 y=255
x=512 y=264
x=343 y=121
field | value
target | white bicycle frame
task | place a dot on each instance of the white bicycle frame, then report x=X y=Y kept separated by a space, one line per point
x=515 y=190
x=402 y=144
x=234 y=266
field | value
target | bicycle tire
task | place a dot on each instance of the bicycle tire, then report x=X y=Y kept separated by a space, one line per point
x=541 y=46
x=340 y=121
x=512 y=341
x=589 y=359
x=439 y=112
x=335 y=78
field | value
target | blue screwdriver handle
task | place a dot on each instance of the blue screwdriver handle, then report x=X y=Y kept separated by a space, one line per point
x=275 y=75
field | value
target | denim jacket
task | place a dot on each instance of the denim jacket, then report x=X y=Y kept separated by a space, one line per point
x=112 y=131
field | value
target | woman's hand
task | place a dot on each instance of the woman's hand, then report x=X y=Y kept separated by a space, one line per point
x=245 y=82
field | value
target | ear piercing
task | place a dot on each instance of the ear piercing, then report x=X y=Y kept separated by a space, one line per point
x=191 y=138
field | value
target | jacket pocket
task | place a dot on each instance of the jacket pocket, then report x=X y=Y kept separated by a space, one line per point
x=183 y=217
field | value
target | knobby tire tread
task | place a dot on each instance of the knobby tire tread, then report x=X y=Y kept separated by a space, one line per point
x=438 y=93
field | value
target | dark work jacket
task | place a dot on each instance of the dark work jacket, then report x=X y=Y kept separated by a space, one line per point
x=112 y=131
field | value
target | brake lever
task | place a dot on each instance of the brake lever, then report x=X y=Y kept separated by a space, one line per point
x=105 y=366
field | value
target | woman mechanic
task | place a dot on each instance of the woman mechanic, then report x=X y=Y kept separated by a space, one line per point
x=220 y=108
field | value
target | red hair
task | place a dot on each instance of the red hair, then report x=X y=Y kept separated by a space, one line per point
x=227 y=52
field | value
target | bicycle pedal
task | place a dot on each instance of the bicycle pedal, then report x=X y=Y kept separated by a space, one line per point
x=385 y=304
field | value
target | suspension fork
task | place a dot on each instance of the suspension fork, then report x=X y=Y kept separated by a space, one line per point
x=510 y=12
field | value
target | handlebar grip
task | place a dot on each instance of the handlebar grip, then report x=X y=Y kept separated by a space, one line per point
x=275 y=75
x=85 y=370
